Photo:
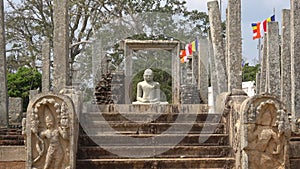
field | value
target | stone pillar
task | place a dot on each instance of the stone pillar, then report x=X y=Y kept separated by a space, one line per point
x=15 y=110
x=263 y=67
x=203 y=70
x=213 y=74
x=61 y=66
x=176 y=74
x=286 y=59
x=234 y=45
x=257 y=83
x=46 y=66
x=97 y=57
x=273 y=60
x=128 y=73
x=295 y=54
x=3 y=83
x=218 y=45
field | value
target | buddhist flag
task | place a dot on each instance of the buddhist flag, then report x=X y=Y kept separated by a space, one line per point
x=256 y=30
x=195 y=45
x=183 y=56
x=188 y=49
x=272 y=18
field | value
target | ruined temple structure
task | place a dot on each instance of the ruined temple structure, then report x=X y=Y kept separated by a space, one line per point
x=61 y=130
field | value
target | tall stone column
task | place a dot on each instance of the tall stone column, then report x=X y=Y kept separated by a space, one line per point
x=128 y=73
x=234 y=46
x=295 y=54
x=98 y=57
x=3 y=83
x=273 y=60
x=257 y=83
x=218 y=45
x=61 y=65
x=213 y=74
x=263 y=67
x=203 y=69
x=286 y=59
x=46 y=66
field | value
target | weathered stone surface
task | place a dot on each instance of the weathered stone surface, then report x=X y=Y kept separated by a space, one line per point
x=46 y=66
x=15 y=110
x=218 y=45
x=12 y=164
x=265 y=133
x=203 y=67
x=33 y=93
x=257 y=83
x=286 y=59
x=51 y=132
x=295 y=55
x=61 y=72
x=234 y=46
x=3 y=85
x=273 y=61
x=263 y=67
x=213 y=74
x=12 y=153
x=98 y=62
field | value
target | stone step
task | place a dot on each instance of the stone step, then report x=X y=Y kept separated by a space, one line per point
x=99 y=127
x=151 y=117
x=10 y=131
x=146 y=108
x=154 y=163
x=97 y=152
x=154 y=140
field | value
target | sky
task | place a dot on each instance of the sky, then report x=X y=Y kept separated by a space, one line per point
x=252 y=11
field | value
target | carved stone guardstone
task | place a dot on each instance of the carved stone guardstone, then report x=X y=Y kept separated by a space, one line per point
x=50 y=129
x=264 y=133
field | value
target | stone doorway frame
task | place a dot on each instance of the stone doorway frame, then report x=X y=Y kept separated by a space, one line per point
x=129 y=45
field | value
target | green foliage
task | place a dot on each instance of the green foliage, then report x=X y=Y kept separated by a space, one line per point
x=21 y=82
x=164 y=78
x=249 y=72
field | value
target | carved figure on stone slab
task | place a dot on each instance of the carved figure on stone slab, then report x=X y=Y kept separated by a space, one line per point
x=55 y=152
x=265 y=144
x=148 y=91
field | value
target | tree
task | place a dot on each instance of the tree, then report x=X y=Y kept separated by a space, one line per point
x=29 y=21
x=249 y=72
x=20 y=83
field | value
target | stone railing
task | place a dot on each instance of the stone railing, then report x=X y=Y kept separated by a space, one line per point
x=229 y=104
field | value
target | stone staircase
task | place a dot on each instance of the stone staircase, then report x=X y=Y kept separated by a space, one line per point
x=11 y=136
x=152 y=137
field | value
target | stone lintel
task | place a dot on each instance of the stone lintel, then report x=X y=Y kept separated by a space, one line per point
x=150 y=44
